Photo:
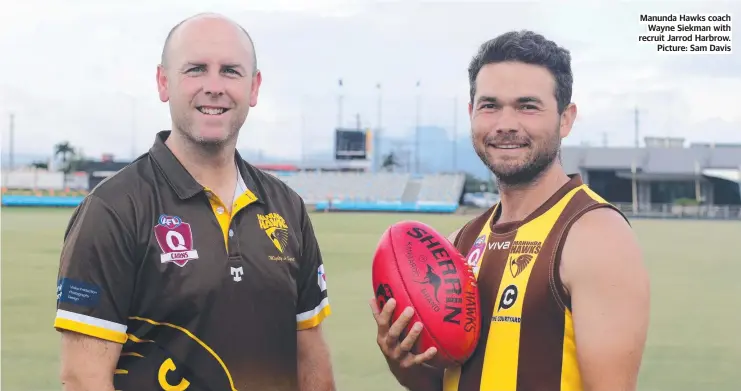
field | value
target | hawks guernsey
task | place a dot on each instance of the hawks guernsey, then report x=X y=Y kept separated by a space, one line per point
x=527 y=336
x=202 y=298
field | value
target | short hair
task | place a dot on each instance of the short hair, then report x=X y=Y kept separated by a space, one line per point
x=172 y=32
x=529 y=48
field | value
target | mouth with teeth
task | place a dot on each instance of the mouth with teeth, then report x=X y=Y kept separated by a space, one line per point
x=211 y=110
x=508 y=146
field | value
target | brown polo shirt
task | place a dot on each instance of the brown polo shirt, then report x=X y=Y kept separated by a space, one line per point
x=200 y=298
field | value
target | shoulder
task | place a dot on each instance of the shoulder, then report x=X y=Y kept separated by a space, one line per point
x=120 y=197
x=600 y=242
x=471 y=229
x=130 y=182
x=278 y=193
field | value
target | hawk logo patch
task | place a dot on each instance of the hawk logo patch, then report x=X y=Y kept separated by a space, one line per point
x=517 y=265
x=274 y=225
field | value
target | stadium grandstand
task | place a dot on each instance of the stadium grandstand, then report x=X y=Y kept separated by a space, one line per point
x=662 y=179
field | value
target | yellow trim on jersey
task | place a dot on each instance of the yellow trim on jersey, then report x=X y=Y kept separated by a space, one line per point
x=225 y=218
x=570 y=374
x=314 y=320
x=93 y=331
x=121 y=372
x=131 y=354
x=135 y=339
x=194 y=338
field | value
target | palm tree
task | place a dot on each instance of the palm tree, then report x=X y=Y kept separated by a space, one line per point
x=66 y=150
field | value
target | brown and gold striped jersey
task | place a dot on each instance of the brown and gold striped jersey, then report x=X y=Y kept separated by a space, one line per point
x=202 y=297
x=527 y=337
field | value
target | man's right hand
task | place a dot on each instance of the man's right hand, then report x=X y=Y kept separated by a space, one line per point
x=398 y=351
x=408 y=368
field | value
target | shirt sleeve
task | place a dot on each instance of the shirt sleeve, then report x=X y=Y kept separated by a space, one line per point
x=96 y=273
x=313 y=301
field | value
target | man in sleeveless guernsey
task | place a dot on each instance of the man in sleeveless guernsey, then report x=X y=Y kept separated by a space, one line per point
x=564 y=293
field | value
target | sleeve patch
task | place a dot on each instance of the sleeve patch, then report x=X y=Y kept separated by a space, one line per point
x=322 y=278
x=78 y=292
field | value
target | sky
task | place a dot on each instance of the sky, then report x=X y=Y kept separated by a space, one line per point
x=83 y=71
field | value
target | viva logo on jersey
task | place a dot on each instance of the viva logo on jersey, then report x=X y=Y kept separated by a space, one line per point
x=175 y=238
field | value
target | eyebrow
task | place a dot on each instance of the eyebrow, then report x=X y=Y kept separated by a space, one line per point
x=202 y=64
x=523 y=99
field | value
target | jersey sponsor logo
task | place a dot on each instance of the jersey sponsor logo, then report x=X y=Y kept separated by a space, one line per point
x=77 y=292
x=500 y=245
x=236 y=273
x=476 y=252
x=175 y=238
x=276 y=228
x=509 y=297
x=321 y=278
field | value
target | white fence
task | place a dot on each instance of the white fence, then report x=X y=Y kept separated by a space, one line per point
x=30 y=179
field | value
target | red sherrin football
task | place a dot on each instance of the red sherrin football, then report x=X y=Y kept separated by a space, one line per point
x=420 y=268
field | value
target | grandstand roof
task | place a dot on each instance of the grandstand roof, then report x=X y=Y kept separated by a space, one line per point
x=672 y=161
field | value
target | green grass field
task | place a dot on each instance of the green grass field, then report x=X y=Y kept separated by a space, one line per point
x=694 y=341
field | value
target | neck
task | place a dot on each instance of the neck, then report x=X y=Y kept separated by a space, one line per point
x=519 y=201
x=211 y=167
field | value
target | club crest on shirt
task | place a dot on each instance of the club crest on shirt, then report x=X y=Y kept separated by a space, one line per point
x=476 y=252
x=276 y=228
x=175 y=238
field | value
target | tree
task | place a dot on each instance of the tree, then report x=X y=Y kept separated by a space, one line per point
x=389 y=162
x=40 y=165
x=71 y=158
x=66 y=150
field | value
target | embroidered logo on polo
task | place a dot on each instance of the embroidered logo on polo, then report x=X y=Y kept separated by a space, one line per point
x=275 y=227
x=175 y=238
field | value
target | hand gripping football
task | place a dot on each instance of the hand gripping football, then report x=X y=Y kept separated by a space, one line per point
x=420 y=268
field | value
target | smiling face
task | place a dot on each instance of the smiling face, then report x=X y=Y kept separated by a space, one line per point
x=209 y=80
x=515 y=125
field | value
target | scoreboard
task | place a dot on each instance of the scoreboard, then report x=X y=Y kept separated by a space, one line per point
x=351 y=144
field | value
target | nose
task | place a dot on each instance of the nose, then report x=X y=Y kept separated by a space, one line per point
x=213 y=85
x=507 y=121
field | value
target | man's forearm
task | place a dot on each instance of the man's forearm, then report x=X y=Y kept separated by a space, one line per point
x=315 y=368
x=418 y=377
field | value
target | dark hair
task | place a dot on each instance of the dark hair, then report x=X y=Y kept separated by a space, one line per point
x=529 y=48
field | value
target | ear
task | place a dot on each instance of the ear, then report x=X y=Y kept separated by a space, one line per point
x=162 y=84
x=567 y=120
x=470 y=109
x=255 y=90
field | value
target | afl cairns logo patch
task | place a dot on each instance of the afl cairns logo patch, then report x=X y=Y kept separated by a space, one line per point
x=175 y=239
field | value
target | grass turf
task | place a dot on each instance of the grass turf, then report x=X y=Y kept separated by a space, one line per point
x=693 y=343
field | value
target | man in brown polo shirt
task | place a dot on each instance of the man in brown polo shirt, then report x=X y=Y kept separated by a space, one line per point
x=190 y=269
x=564 y=293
